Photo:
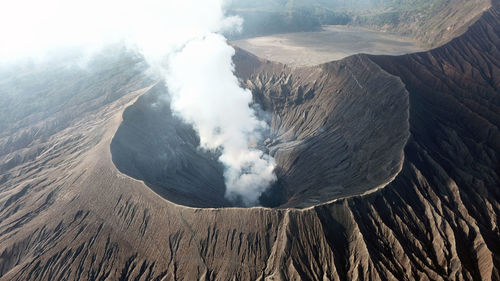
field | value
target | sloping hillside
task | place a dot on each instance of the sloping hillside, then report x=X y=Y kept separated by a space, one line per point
x=67 y=213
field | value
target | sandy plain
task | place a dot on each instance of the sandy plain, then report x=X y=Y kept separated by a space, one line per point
x=332 y=43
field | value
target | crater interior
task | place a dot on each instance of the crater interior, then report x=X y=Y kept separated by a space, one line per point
x=336 y=130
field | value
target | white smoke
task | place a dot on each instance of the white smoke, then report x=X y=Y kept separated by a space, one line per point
x=206 y=93
x=181 y=40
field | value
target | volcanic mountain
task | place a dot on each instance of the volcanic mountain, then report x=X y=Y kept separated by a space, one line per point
x=388 y=169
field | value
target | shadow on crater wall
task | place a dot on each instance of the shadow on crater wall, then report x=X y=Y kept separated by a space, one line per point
x=157 y=147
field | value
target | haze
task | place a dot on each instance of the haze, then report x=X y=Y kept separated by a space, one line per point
x=170 y=35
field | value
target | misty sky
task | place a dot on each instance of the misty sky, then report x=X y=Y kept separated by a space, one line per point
x=181 y=41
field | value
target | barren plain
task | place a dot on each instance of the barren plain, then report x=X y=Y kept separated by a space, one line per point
x=331 y=43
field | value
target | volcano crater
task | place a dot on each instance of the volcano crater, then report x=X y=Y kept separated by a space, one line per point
x=335 y=130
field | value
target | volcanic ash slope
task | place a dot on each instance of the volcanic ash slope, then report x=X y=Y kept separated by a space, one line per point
x=67 y=213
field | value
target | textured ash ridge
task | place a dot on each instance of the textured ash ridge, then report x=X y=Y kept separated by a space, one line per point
x=342 y=117
x=438 y=219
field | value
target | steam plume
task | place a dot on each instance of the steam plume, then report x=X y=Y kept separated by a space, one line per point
x=206 y=93
x=181 y=40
